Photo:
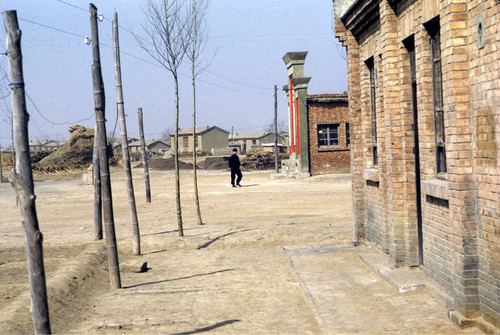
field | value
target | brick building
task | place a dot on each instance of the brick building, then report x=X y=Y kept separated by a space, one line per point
x=318 y=125
x=424 y=102
x=328 y=123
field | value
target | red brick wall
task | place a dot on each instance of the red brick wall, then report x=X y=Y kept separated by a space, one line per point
x=330 y=159
x=460 y=209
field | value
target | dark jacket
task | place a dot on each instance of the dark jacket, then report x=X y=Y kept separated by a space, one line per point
x=234 y=161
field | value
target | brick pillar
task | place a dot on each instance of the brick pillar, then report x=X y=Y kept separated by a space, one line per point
x=300 y=85
x=459 y=149
x=297 y=101
x=394 y=136
x=355 y=128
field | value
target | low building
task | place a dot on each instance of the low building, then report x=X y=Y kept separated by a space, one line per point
x=254 y=141
x=207 y=139
x=328 y=133
x=318 y=125
x=44 y=146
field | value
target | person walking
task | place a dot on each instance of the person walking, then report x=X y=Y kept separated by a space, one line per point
x=234 y=165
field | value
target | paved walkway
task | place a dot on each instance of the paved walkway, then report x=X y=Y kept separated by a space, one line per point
x=325 y=289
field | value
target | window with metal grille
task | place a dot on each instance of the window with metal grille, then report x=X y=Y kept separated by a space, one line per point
x=328 y=135
x=373 y=109
x=347 y=135
x=437 y=88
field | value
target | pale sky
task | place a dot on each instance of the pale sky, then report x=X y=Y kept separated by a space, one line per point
x=236 y=90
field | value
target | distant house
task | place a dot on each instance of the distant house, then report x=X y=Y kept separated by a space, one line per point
x=44 y=146
x=254 y=141
x=328 y=120
x=318 y=125
x=158 y=146
x=207 y=138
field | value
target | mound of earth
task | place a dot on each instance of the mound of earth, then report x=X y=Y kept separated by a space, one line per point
x=261 y=160
x=215 y=163
x=76 y=153
x=165 y=164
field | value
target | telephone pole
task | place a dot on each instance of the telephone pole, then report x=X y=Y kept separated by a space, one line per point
x=107 y=200
x=276 y=129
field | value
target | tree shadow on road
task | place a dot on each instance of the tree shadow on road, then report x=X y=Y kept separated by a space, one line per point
x=209 y=328
x=166 y=232
x=206 y=245
x=180 y=278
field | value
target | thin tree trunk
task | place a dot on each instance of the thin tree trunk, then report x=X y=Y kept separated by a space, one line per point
x=21 y=179
x=96 y=180
x=1 y=167
x=136 y=238
x=144 y=158
x=107 y=202
x=276 y=167
x=176 y=158
x=195 y=169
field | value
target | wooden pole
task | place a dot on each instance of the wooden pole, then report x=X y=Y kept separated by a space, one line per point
x=276 y=129
x=1 y=167
x=107 y=201
x=21 y=179
x=136 y=239
x=144 y=158
x=96 y=181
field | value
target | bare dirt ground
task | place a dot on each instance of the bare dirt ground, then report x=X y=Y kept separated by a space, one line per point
x=257 y=265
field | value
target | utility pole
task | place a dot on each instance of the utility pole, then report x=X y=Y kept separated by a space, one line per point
x=21 y=179
x=107 y=201
x=136 y=238
x=1 y=168
x=96 y=181
x=144 y=158
x=232 y=136
x=276 y=129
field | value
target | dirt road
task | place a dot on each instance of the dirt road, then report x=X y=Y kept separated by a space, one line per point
x=272 y=257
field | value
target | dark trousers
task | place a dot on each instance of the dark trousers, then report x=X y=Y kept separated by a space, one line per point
x=236 y=172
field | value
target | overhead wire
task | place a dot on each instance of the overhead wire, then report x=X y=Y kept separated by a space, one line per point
x=155 y=64
x=52 y=122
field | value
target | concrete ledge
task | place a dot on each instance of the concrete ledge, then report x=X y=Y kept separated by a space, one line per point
x=371 y=175
x=436 y=188
x=403 y=279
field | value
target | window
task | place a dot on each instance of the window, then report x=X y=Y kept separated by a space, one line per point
x=373 y=109
x=347 y=135
x=196 y=141
x=328 y=135
x=254 y=142
x=185 y=143
x=437 y=88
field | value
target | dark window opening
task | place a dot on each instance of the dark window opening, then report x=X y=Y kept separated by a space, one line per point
x=347 y=135
x=373 y=109
x=328 y=135
x=437 y=88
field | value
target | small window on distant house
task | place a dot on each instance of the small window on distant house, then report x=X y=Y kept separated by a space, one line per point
x=328 y=135
x=196 y=141
x=254 y=142
x=347 y=135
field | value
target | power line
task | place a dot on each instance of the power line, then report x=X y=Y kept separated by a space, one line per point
x=151 y=63
x=52 y=122
x=53 y=28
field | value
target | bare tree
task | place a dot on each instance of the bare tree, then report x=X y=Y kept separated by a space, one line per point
x=167 y=32
x=196 y=47
x=136 y=239
x=282 y=127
